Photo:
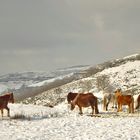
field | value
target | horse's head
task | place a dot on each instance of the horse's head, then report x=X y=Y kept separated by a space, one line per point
x=118 y=92
x=69 y=97
x=11 y=99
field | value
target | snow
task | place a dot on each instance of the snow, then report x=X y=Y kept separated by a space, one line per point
x=59 y=123
x=126 y=75
x=130 y=56
x=3 y=88
x=45 y=82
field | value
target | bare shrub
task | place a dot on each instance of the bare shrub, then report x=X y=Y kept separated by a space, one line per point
x=85 y=85
x=103 y=83
x=21 y=116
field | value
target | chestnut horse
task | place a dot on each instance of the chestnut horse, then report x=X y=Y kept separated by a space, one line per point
x=4 y=99
x=85 y=100
x=124 y=100
x=138 y=102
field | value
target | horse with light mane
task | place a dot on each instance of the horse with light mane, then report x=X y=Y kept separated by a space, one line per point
x=4 y=99
x=107 y=99
x=124 y=100
x=85 y=100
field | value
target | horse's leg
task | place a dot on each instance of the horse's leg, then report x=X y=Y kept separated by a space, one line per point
x=129 y=106
x=121 y=107
x=138 y=104
x=107 y=105
x=80 y=109
x=94 y=105
x=93 y=108
x=118 y=107
x=113 y=101
x=104 y=103
x=132 y=105
x=96 y=109
x=2 y=112
x=8 y=111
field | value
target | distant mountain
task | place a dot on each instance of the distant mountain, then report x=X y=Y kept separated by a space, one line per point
x=24 y=79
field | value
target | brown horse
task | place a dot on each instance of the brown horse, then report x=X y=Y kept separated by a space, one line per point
x=138 y=102
x=124 y=100
x=85 y=100
x=4 y=99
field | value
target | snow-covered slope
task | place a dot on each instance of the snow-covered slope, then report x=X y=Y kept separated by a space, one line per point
x=125 y=76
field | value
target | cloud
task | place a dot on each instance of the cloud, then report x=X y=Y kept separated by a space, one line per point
x=66 y=32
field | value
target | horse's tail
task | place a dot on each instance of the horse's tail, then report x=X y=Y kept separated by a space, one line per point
x=104 y=103
x=138 y=102
x=137 y=106
x=96 y=105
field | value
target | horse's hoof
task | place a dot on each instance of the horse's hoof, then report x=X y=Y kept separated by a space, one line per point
x=81 y=113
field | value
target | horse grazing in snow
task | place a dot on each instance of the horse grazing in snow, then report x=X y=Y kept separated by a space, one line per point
x=124 y=100
x=85 y=100
x=4 y=99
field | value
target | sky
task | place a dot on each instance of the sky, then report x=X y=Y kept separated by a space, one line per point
x=45 y=35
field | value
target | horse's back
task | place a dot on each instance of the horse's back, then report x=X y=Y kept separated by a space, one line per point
x=86 y=99
x=125 y=99
x=4 y=100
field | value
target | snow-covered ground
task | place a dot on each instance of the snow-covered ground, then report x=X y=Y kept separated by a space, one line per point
x=59 y=123
x=124 y=76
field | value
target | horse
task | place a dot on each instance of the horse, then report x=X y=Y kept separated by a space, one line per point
x=107 y=98
x=4 y=99
x=138 y=102
x=85 y=100
x=124 y=100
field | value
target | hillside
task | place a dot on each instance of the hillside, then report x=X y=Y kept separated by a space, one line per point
x=123 y=73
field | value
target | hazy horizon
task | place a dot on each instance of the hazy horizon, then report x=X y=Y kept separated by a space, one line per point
x=47 y=35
